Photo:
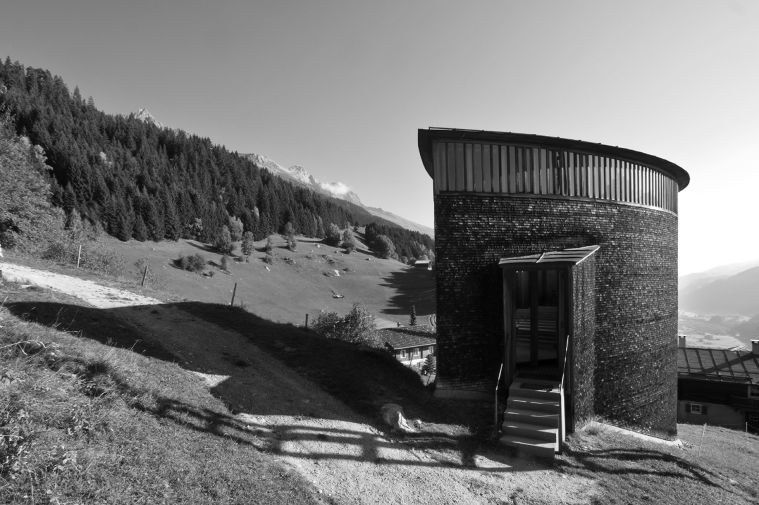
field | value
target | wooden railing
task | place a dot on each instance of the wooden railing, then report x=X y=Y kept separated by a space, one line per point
x=562 y=389
x=495 y=394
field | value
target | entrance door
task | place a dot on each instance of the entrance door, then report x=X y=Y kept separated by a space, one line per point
x=538 y=317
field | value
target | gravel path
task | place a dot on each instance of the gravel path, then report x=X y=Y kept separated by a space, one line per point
x=99 y=296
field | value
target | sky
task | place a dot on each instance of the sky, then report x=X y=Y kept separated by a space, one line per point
x=341 y=87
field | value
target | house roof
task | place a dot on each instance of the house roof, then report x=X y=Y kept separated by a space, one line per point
x=567 y=256
x=426 y=137
x=405 y=338
x=718 y=364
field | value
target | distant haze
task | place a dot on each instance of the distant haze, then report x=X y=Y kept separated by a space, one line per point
x=340 y=87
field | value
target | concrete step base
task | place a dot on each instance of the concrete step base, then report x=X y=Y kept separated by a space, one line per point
x=538 y=448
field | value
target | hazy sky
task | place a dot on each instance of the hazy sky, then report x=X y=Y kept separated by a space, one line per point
x=341 y=87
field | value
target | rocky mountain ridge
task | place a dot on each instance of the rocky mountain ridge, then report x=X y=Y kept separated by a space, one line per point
x=339 y=190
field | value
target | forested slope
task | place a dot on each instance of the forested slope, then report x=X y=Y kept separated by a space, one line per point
x=149 y=183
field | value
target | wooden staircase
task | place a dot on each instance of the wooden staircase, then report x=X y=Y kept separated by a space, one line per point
x=532 y=417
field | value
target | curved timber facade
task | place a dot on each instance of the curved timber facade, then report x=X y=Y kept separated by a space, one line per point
x=553 y=251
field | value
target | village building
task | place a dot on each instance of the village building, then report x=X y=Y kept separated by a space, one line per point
x=424 y=264
x=556 y=264
x=718 y=386
x=409 y=346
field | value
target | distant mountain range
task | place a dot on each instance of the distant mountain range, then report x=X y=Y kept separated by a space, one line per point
x=725 y=290
x=300 y=175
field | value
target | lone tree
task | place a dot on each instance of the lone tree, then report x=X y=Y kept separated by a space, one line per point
x=333 y=235
x=355 y=327
x=247 y=245
x=290 y=236
x=412 y=318
x=235 y=228
x=223 y=242
x=384 y=247
x=349 y=241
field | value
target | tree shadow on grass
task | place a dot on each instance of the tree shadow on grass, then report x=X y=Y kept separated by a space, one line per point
x=413 y=286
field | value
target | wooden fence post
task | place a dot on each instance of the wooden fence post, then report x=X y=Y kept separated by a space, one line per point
x=144 y=274
x=234 y=291
x=79 y=256
x=306 y=321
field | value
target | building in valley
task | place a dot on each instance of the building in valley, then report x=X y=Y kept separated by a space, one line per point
x=718 y=386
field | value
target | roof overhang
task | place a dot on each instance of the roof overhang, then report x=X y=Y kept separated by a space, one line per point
x=426 y=137
x=550 y=259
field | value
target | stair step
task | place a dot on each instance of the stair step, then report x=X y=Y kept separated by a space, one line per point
x=530 y=430
x=527 y=388
x=532 y=417
x=530 y=445
x=536 y=394
x=535 y=404
x=537 y=381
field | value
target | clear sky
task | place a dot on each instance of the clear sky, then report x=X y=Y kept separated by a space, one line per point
x=341 y=87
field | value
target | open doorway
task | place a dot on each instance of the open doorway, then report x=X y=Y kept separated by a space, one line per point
x=539 y=320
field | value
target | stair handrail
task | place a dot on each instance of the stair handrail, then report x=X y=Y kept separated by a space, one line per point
x=562 y=427
x=497 y=385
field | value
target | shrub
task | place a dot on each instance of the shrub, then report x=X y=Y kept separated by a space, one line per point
x=269 y=245
x=101 y=259
x=333 y=235
x=269 y=259
x=356 y=327
x=94 y=257
x=224 y=263
x=57 y=252
x=192 y=263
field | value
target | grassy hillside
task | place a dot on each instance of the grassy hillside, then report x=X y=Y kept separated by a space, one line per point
x=83 y=422
x=297 y=283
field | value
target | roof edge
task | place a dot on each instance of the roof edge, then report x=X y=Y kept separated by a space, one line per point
x=426 y=136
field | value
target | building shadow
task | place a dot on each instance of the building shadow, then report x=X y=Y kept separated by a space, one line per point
x=362 y=378
x=413 y=287
x=595 y=463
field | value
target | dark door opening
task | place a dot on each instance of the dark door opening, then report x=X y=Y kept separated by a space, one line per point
x=538 y=320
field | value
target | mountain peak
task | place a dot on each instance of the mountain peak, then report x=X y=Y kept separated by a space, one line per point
x=144 y=115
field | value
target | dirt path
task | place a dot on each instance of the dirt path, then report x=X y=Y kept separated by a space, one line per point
x=346 y=458
x=99 y=296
